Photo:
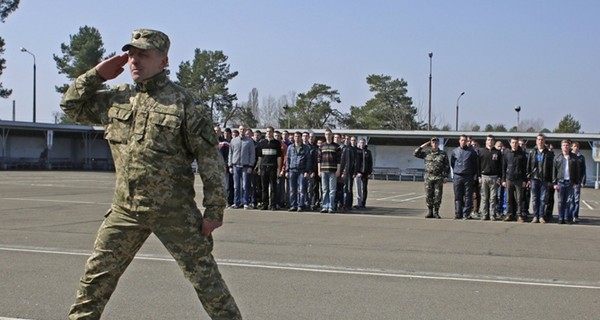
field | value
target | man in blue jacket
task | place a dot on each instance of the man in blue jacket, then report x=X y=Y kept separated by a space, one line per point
x=464 y=165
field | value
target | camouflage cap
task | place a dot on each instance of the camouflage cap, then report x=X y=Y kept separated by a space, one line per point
x=434 y=139
x=148 y=39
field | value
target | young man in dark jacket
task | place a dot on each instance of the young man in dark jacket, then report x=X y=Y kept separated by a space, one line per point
x=539 y=170
x=490 y=169
x=566 y=178
x=364 y=168
x=514 y=179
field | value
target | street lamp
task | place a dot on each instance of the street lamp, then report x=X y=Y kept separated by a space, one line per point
x=518 y=109
x=457 y=99
x=25 y=50
x=430 y=65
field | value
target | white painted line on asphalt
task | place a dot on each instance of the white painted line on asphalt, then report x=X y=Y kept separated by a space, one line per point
x=55 y=201
x=4 y=318
x=396 y=196
x=346 y=270
x=409 y=199
x=587 y=204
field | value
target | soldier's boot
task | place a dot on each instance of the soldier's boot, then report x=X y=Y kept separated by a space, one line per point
x=458 y=210
x=436 y=213
x=429 y=214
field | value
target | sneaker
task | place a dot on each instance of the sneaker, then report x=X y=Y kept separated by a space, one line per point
x=246 y=207
x=467 y=217
x=234 y=207
x=323 y=210
x=292 y=209
x=535 y=220
x=300 y=209
x=485 y=217
x=576 y=220
x=331 y=211
x=520 y=219
x=542 y=220
x=508 y=217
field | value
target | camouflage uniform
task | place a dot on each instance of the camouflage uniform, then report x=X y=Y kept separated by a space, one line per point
x=155 y=132
x=437 y=169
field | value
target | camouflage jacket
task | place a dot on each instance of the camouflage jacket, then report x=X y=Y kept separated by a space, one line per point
x=436 y=163
x=155 y=131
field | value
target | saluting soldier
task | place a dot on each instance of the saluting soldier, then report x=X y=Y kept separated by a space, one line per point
x=155 y=130
x=437 y=168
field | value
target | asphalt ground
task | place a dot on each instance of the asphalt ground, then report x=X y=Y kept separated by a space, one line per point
x=386 y=262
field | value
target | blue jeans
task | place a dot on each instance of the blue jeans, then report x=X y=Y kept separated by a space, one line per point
x=329 y=188
x=576 y=200
x=539 y=191
x=241 y=186
x=565 y=200
x=296 y=181
x=463 y=195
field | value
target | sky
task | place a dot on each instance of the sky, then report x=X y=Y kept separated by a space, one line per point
x=542 y=55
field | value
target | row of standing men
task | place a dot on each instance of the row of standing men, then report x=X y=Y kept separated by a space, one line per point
x=501 y=181
x=299 y=174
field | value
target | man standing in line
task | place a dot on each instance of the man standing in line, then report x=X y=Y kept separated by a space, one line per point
x=490 y=167
x=348 y=167
x=539 y=170
x=364 y=168
x=298 y=159
x=500 y=196
x=565 y=177
x=582 y=177
x=241 y=161
x=464 y=166
x=270 y=162
x=224 y=142
x=311 y=171
x=329 y=171
x=437 y=169
x=155 y=130
x=514 y=179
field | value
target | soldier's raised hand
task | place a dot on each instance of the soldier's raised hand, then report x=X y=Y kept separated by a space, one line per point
x=112 y=67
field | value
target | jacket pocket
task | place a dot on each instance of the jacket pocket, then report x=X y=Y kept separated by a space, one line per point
x=163 y=130
x=119 y=124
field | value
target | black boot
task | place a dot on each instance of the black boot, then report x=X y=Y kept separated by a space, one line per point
x=429 y=214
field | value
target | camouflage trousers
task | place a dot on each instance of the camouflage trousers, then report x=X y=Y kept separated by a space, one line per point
x=433 y=193
x=120 y=237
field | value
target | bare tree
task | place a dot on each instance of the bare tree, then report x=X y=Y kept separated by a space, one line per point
x=269 y=112
x=531 y=125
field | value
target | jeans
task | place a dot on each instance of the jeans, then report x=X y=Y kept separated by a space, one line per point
x=296 y=182
x=514 y=195
x=565 y=200
x=539 y=195
x=241 y=186
x=463 y=195
x=329 y=188
x=576 y=200
x=489 y=191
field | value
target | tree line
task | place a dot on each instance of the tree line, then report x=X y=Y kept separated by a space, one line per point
x=208 y=75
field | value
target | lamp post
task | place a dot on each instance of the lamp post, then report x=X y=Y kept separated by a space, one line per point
x=430 y=67
x=517 y=109
x=457 y=99
x=34 y=108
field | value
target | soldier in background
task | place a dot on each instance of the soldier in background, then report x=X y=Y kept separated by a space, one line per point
x=437 y=169
x=155 y=131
